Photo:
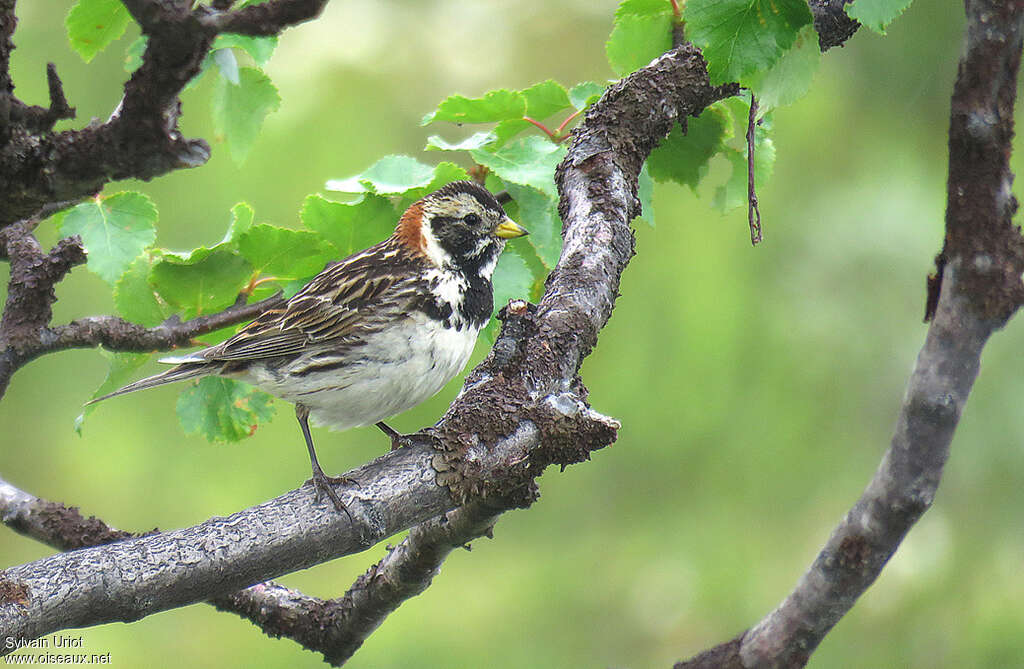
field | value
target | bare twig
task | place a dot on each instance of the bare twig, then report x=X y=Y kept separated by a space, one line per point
x=753 y=212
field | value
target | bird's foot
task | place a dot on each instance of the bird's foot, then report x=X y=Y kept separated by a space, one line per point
x=324 y=485
x=398 y=440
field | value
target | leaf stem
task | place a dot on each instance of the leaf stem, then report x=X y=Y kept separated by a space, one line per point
x=543 y=128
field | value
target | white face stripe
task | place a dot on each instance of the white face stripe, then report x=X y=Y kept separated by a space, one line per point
x=457 y=205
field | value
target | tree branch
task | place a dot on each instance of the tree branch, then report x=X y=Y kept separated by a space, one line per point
x=141 y=139
x=832 y=24
x=983 y=261
x=111 y=332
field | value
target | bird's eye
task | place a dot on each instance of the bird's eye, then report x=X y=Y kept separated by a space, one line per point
x=472 y=219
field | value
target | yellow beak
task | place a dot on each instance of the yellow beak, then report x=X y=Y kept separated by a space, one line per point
x=509 y=229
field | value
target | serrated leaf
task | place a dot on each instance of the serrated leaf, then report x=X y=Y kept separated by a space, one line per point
x=444 y=173
x=546 y=98
x=242 y=217
x=529 y=161
x=739 y=37
x=134 y=297
x=538 y=213
x=93 y=24
x=636 y=40
x=114 y=229
x=201 y=282
x=122 y=368
x=223 y=409
x=877 y=14
x=512 y=280
x=498 y=105
x=790 y=78
x=239 y=111
x=260 y=49
x=350 y=227
x=645 y=193
x=684 y=158
x=475 y=141
x=733 y=193
x=284 y=253
x=643 y=8
x=584 y=94
x=506 y=130
x=391 y=175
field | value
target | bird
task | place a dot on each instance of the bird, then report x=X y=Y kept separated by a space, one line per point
x=373 y=334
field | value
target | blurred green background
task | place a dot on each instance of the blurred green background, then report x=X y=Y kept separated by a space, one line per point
x=757 y=388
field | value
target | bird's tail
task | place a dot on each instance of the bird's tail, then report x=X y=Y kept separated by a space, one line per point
x=186 y=370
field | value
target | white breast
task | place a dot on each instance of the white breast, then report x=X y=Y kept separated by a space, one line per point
x=395 y=370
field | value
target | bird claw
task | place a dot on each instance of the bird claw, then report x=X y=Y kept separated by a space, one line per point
x=323 y=485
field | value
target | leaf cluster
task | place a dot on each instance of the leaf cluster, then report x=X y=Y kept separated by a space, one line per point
x=518 y=139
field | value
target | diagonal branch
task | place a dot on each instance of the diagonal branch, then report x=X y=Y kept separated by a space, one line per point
x=981 y=267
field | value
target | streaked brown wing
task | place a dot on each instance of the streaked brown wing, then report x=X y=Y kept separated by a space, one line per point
x=353 y=297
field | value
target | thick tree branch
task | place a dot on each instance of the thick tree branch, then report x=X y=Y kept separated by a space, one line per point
x=982 y=265
x=141 y=139
x=339 y=626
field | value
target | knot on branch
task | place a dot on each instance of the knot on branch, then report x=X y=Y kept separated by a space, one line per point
x=522 y=432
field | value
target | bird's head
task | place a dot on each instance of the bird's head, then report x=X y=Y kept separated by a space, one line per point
x=459 y=226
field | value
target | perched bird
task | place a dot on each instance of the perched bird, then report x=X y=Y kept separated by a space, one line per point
x=376 y=333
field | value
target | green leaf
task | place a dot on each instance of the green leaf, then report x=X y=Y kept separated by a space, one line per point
x=133 y=54
x=135 y=298
x=734 y=192
x=350 y=227
x=223 y=409
x=114 y=229
x=740 y=37
x=284 y=253
x=444 y=173
x=643 y=8
x=790 y=78
x=877 y=14
x=201 y=282
x=122 y=369
x=645 y=193
x=260 y=49
x=506 y=130
x=637 y=39
x=545 y=99
x=512 y=279
x=239 y=111
x=584 y=94
x=529 y=161
x=475 y=141
x=242 y=217
x=538 y=213
x=499 y=105
x=684 y=158
x=93 y=24
x=391 y=175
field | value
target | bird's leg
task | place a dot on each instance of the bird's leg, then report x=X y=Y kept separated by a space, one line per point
x=320 y=481
x=397 y=440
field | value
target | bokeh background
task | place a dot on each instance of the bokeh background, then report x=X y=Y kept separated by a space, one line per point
x=757 y=388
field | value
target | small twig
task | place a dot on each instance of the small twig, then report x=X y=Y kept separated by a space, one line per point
x=753 y=212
